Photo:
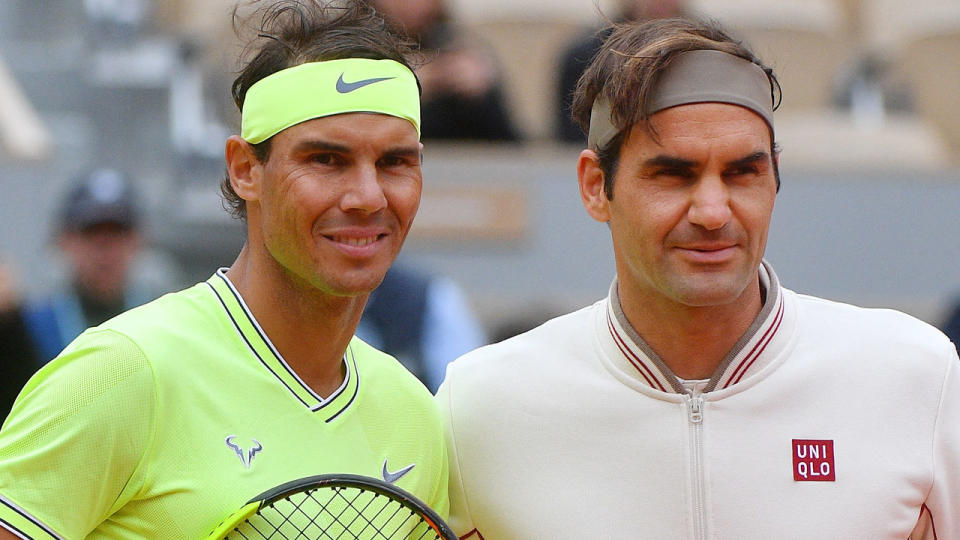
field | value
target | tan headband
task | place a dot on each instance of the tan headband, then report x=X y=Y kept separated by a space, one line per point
x=695 y=77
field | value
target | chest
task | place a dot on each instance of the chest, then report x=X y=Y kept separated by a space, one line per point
x=778 y=462
x=211 y=459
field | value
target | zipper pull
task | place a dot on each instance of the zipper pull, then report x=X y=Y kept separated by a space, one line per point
x=696 y=409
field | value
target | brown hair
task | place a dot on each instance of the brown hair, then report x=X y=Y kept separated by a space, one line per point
x=293 y=32
x=627 y=68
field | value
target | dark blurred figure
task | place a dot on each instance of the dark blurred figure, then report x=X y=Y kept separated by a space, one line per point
x=18 y=359
x=98 y=234
x=463 y=96
x=951 y=325
x=578 y=54
x=425 y=321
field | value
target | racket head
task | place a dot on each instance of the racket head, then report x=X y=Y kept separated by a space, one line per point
x=335 y=506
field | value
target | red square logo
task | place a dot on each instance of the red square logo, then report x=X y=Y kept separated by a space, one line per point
x=813 y=461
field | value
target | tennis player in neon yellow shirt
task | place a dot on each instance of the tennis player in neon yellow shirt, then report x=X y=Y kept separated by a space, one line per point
x=164 y=420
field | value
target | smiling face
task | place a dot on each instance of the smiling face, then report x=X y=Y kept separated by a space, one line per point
x=332 y=204
x=690 y=214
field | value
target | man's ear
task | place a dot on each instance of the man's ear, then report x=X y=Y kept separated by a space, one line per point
x=590 y=176
x=244 y=168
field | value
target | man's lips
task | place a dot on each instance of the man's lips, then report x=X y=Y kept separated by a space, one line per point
x=354 y=241
x=708 y=252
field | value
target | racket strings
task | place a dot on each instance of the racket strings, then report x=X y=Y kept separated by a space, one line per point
x=338 y=513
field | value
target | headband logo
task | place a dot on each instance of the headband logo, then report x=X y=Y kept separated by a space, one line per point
x=345 y=88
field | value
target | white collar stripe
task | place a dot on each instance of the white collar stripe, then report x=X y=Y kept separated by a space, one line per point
x=356 y=387
x=250 y=346
x=250 y=330
x=26 y=515
x=263 y=336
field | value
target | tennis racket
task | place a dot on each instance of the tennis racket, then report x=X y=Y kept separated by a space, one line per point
x=334 y=506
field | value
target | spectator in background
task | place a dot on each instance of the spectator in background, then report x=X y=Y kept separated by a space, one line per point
x=18 y=359
x=98 y=233
x=424 y=321
x=576 y=57
x=463 y=96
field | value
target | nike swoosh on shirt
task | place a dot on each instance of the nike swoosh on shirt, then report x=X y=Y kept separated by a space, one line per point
x=346 y=87
x=391 y=477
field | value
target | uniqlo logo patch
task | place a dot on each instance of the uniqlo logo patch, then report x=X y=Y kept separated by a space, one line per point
x=813 y=461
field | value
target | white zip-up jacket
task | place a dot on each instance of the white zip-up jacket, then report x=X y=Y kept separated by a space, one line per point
x=824 y=421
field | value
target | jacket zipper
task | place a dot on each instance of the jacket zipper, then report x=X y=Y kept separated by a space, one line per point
x=697 y=489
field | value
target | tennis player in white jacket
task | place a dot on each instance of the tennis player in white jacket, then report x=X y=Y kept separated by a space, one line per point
x=700 y=399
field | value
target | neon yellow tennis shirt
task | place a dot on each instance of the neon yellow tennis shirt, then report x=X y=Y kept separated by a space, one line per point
x=164 y=420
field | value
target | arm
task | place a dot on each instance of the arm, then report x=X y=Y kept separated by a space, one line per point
x=86 y=416
x=938 y=516
x=460 y=520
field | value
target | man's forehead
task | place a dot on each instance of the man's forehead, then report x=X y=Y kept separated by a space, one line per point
x=708 y=120
x=353 y=124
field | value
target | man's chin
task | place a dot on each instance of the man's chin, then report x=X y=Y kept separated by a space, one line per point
x=710 y=293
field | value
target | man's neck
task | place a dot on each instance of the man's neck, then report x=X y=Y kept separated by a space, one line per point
x=310 y=329
x=692 y=341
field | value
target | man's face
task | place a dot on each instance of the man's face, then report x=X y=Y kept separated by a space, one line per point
x=336 y=198
x=100 y=257
x=689 y=215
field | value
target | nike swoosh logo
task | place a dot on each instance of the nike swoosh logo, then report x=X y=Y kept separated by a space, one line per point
x=391 y=477
x=346 y=87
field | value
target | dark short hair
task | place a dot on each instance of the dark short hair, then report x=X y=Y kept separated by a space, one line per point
x=627 y=67
x=293 y=32
x=99 y=197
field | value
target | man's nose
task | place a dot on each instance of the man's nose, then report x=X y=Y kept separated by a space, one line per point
x=710 y=203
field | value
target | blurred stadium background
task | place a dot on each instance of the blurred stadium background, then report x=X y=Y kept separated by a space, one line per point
x=869 y=211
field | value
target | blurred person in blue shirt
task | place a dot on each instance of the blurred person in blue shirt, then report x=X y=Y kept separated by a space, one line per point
x=423 y=320
x=98 y=233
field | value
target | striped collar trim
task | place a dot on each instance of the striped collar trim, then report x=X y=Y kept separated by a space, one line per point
x=263 y=352
x=759 y=346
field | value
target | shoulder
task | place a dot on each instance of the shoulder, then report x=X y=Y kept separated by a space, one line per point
x=94 y=363
x=885 y=325
x=173 y=309
x=384 y=375
x=88 y=414
x=162 y=328
x=568 y=336
x=884 y=336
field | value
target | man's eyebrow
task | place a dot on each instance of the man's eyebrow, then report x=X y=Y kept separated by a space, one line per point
x=669 y=161
x=314 y=145
x=403 y=151
x=751 y=159
x=681 y=163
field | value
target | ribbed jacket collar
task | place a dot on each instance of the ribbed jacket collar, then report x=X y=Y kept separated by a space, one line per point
x=757 y=347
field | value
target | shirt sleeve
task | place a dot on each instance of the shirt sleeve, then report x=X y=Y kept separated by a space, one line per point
x=938 y=515
x=75 y=437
